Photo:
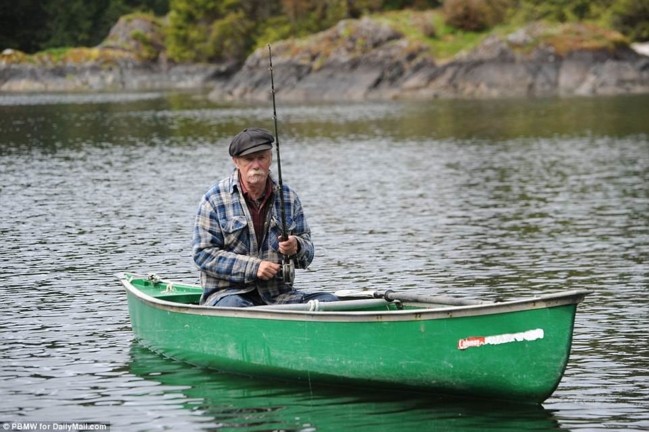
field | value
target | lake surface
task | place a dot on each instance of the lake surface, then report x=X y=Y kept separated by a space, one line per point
x=469 y=198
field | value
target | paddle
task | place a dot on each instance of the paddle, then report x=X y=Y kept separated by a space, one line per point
x=390 y=295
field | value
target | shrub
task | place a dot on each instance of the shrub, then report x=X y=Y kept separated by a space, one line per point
x=274 y=29
x=425 y=25
x=560 y=10
x=474 y=15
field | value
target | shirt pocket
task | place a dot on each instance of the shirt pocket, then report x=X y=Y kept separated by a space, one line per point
x=235 y=235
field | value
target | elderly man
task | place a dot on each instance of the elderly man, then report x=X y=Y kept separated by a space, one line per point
x=237 y=244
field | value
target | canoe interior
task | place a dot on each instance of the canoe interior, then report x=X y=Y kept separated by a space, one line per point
x=182 y=298
x=188 y=294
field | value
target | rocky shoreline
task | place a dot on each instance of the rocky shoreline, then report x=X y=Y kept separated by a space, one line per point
x=363 y=60
x=123 y=76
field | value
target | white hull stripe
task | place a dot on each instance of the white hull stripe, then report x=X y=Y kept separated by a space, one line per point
x=478 y=341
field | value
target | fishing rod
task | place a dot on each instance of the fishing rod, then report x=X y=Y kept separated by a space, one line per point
x=284 y=236
x=287 y=273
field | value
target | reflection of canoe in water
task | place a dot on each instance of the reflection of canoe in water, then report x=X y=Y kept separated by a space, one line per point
x=218 y=401
x=515 y=350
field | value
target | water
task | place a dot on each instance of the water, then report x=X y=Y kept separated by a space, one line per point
x=490 y=199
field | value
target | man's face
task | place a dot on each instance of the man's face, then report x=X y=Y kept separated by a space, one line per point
x=254 y=167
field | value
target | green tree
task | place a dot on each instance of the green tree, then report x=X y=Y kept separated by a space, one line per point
x=190 y=23
x=33 y=25
x=72 y=22
x=207 y=30
x=229 y=36
x=23 y=27
x=631 y=17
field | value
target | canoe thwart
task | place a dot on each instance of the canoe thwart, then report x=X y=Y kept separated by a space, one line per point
x=345 y=305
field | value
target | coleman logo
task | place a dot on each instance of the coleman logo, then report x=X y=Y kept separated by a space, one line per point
x=478 y=341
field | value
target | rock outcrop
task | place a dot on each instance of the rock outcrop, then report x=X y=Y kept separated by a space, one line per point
x=538 y=60
x=355 y=60
x=130 y=58
x=365 y=59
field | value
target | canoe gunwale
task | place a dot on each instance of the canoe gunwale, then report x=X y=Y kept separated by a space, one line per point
x=443 y=312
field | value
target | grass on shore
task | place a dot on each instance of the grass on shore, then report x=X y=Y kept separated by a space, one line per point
x=445 y=42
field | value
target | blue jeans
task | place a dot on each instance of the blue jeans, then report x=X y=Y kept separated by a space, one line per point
x=252 y=299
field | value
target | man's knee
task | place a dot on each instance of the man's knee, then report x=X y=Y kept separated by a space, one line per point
x=321 y=297
x=233 y=300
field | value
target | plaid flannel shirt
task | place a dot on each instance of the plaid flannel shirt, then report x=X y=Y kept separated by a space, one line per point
x=225 y=247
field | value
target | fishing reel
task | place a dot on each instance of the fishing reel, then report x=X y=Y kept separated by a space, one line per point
x=286 y=272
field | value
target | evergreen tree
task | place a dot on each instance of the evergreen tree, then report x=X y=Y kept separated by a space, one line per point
x=33 y=25
x=22 y=28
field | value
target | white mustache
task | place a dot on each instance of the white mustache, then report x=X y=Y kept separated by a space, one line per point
x=257 y=173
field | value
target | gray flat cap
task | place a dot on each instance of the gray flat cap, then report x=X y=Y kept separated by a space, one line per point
x=251 y=140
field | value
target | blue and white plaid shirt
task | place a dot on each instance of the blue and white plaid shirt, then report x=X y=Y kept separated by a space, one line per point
x=225 y=246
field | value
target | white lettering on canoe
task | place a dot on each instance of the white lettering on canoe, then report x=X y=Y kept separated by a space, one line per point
x=477 y=341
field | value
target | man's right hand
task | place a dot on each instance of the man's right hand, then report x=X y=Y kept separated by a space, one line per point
x=267 y=270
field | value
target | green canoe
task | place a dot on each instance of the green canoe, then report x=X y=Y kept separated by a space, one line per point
x=514 y=350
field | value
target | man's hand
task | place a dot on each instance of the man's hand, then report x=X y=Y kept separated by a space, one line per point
x=289 y=247
x=267 y=270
